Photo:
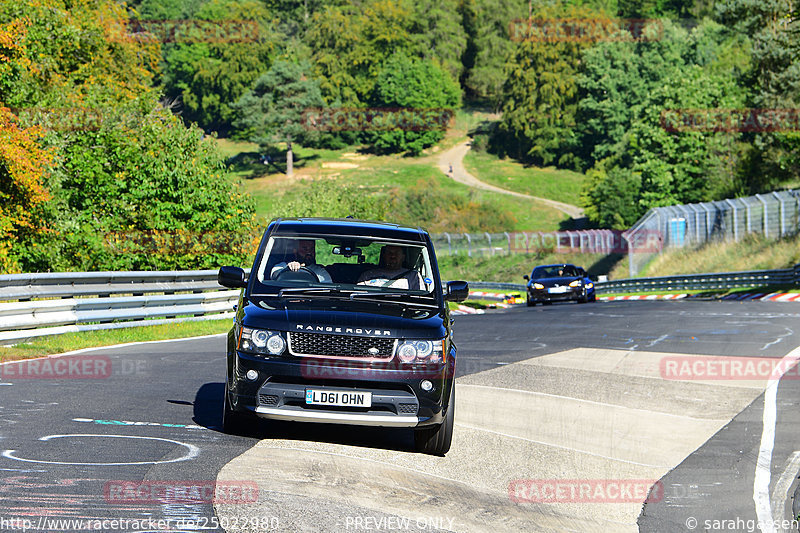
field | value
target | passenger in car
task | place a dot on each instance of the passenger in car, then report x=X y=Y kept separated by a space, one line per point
x=391 y=268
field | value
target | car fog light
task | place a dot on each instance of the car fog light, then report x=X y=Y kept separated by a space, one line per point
x=252 y=375
x=426 y=385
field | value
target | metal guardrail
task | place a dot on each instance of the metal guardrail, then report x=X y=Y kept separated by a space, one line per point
x=704 y=282
x=701 y=282
x=35 y=305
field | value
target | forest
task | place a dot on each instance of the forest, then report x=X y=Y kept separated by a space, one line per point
x=109 y=110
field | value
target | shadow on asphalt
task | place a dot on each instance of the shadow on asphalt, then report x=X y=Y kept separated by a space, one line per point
x=208 y=413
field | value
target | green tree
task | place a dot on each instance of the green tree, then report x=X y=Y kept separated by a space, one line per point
x=216 y=57
x=487 y=23
x=412 y=84
x=272 y=111
x=350 y=44
x=439 y=34
x=774 y=28
x=540 y=94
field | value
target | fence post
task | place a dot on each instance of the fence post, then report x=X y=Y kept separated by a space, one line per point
x=735 y=221
x=508 y=237
x=782 y=212
x=749 y=215
x=449 y=245
x=489 y=237
x=469 y=245
x=766 y=215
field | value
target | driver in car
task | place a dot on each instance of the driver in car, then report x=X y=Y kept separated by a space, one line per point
x=390 y=267
x=305 y=256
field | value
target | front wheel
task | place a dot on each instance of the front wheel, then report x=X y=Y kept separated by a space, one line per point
x=436 y=440
x=530 y=303
x=233 y=422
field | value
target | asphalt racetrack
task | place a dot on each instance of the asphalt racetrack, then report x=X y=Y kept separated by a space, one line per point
x=616 y=416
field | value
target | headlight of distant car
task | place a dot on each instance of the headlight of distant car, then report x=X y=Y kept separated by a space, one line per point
x=261 y=341
x=576 y=283
x=419 y=351
x=538 y=286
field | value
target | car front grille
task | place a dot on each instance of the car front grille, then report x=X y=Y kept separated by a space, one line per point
x=268 y=399
x=340 y=345
x=407 y=409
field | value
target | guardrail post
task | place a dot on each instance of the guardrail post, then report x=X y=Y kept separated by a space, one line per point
x=489 y=237
x=449 y=245
x=469 y=245
x=508 y=237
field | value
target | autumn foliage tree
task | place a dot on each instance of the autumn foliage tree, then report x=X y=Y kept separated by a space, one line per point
x=23 y=164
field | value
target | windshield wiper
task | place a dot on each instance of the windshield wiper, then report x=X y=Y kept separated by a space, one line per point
x=375 y=295
x=378 y=297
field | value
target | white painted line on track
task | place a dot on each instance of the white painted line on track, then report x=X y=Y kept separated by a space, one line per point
x=191 y=453
x=781 y=491
x=761 y=496
x=560 y=447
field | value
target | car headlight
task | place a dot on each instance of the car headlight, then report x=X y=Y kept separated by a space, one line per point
x=261 y=341
x=589 y=285
x=419 y=351
x=538 y=286
x=576 y=283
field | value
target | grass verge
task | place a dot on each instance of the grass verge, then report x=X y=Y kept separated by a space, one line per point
x=90 y=339
x=552 y=183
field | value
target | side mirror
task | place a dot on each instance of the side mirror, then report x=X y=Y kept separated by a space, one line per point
x=525 y=277
x=457 y=291
x=232 y=277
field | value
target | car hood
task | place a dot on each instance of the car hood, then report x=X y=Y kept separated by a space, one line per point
x=343 y=317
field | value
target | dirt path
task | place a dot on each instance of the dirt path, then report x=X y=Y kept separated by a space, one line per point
x=455 y=156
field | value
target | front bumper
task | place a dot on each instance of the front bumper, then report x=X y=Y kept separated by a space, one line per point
x=397 y=397
x=542 y=295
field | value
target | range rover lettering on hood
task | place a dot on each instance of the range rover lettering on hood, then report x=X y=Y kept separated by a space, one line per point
x=352 y=331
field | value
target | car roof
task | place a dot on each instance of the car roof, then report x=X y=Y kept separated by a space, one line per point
x=346 y=226
x=557 y=265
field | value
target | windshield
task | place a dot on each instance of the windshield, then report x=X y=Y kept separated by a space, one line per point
x=555 y=271
x=363 y=265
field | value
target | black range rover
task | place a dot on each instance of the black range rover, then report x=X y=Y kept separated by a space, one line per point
x=343 y=321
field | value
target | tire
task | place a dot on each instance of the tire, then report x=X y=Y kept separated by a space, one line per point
x=530 y=302
x=436 y=440
x=233 y=422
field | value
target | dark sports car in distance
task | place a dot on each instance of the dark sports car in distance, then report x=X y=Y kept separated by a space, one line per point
x=551 y=283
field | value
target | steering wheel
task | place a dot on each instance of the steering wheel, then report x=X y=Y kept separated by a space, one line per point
x=302 y=274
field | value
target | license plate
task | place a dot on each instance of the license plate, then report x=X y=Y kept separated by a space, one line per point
x=338 y=398
x=558 y=290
